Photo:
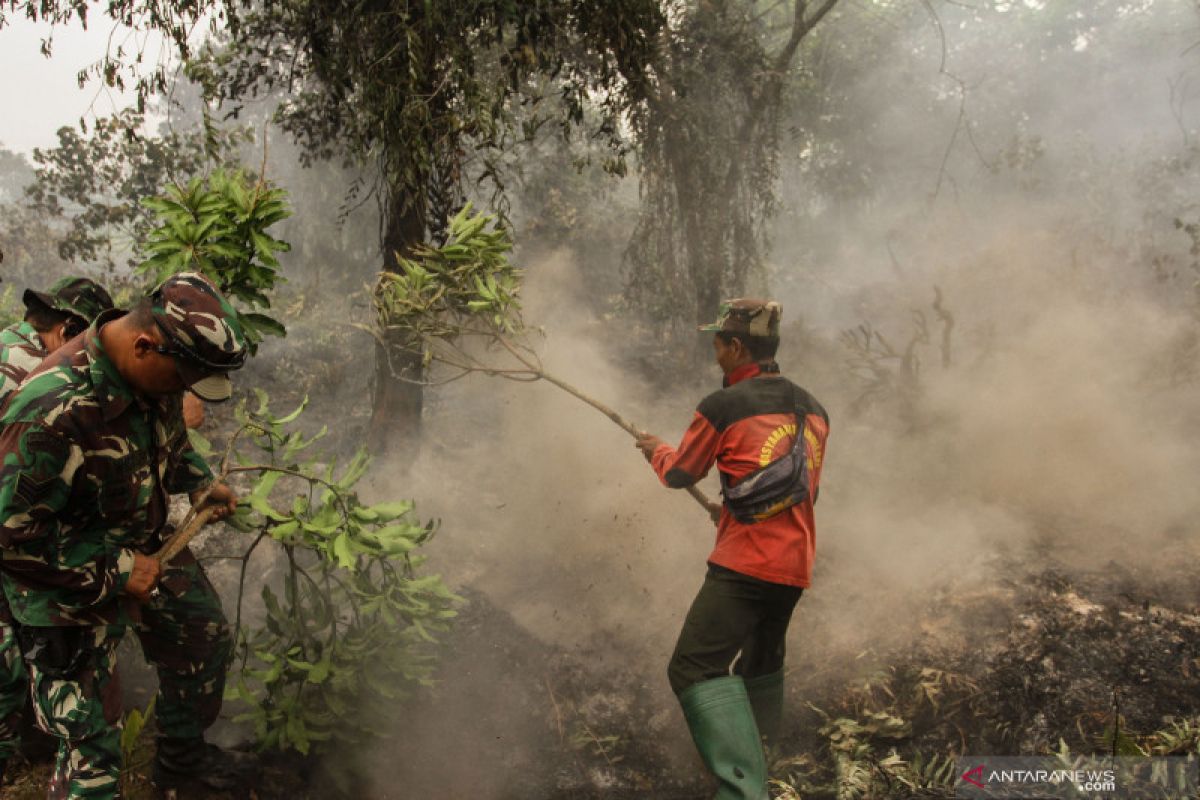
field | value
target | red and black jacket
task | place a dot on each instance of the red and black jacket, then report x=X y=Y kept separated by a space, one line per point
x=741 y=428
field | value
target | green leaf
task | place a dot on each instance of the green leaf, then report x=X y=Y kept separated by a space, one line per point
x=297 y=733
x=266 y=483
x=201 y=445
x=364 y=514
x=303 y=666
x=264 y=245
x=240 y=520
x=261 y=322
x=263 y=506
x=299 y=505
x=135 y=723
x=355 y=469
x=395 y=539
x=320 y=670
x=343 y=553
x=288 y=418
x=391 y=510
x=263 y=401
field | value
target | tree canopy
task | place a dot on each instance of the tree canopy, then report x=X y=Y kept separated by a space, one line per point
x=433 y=96
x=429 y=95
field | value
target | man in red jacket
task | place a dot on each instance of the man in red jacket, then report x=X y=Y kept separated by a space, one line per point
x=766 y=436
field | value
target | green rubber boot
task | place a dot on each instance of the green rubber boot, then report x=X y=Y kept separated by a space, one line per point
x=722 y=723
x=766 y=698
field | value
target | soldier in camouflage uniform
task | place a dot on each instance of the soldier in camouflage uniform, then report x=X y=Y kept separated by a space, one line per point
x=92 y=444
x=51 y=318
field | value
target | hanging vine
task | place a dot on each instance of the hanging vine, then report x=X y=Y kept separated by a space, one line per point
x=708 y=134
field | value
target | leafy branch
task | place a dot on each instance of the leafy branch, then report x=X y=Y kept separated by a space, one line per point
x=448 y=300
x=218 y=226
x=348 y=622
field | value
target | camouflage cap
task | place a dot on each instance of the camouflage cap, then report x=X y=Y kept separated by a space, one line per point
x=82 y=298
x=203 y=332
x=748 y=316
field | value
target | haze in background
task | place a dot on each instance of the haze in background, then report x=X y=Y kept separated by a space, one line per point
x=1057 y=434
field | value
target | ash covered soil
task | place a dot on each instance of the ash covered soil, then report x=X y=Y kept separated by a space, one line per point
x=1020 y=667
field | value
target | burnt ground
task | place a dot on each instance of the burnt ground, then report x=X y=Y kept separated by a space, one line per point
x=1100 y=660
x=528 y=721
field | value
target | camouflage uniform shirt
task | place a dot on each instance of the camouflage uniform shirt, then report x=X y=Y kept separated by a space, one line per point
x=85 y=469
x=21 y=350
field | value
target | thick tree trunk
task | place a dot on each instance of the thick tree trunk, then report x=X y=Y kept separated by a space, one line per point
x=398 y=400
x=399 y=397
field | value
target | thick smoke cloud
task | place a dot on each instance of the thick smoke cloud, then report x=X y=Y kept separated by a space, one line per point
x=1041 y=206
x=1060 y=429
x=1060 y=414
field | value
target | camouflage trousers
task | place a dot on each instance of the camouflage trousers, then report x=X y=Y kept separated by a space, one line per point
x=14 y=685
x=183 y=633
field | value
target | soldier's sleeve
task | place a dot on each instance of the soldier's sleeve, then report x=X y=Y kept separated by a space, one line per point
x=9 y=380
x=37 y=467
x=18 y=361
x=190 y=473
x=35 y=481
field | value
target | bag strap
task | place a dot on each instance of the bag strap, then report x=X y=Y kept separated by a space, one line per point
x=801 y=415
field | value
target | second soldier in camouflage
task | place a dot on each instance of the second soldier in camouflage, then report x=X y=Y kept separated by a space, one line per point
x=51 y=318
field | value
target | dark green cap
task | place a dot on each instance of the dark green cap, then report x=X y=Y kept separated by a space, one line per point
x=82 y=298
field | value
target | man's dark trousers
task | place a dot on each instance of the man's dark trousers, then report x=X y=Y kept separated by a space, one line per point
x=733 y=613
